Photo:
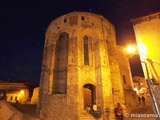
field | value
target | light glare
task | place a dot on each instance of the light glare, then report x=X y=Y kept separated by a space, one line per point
x=130 y=49
x=22 y=91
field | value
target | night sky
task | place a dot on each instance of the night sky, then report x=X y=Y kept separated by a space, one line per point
x=23 y=24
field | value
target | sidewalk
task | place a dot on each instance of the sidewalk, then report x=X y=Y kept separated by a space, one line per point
x=141 y=112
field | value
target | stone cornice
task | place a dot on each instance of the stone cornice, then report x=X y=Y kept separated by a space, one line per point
x=145 y=18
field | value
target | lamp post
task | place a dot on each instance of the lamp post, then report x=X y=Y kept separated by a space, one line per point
x=155 y=105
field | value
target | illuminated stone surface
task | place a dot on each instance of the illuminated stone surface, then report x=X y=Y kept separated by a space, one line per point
x=34 y=98
x=81 y=66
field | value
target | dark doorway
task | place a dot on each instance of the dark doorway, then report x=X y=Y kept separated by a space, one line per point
x=89 y=95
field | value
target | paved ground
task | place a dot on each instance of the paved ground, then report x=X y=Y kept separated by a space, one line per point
x=141 y=113
x=30 y=112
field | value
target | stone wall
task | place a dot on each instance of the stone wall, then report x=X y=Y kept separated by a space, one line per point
x=92 y=61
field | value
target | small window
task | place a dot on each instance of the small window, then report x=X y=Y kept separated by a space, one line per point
x=15 y=98
x=85 y=38
x=124 y=79
x=86 y=52
x=65 y=20
x=11 y=98
x=82 y=18
x=92 y=24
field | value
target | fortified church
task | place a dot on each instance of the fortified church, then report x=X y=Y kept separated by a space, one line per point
x=82 y=65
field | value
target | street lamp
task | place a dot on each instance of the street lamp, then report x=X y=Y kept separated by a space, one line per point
x=130 y=49
x=155 y=105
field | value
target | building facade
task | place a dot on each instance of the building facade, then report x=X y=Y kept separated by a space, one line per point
x=147 y=31
x=34 y=98
x=81 y=67
x=14 y=92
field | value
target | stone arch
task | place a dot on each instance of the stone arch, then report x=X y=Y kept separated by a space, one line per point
x=60 y=64
x=89 y=94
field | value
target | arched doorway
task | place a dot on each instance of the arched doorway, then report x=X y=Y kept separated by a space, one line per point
x=89 y=93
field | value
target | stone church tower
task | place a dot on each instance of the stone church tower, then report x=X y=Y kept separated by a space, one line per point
x=80 y=66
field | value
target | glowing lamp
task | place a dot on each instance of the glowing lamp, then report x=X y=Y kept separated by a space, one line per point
x=22 y=91
x=130 y=49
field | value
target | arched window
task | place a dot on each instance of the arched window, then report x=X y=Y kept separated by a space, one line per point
x=86 y=51
x=60 y=65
